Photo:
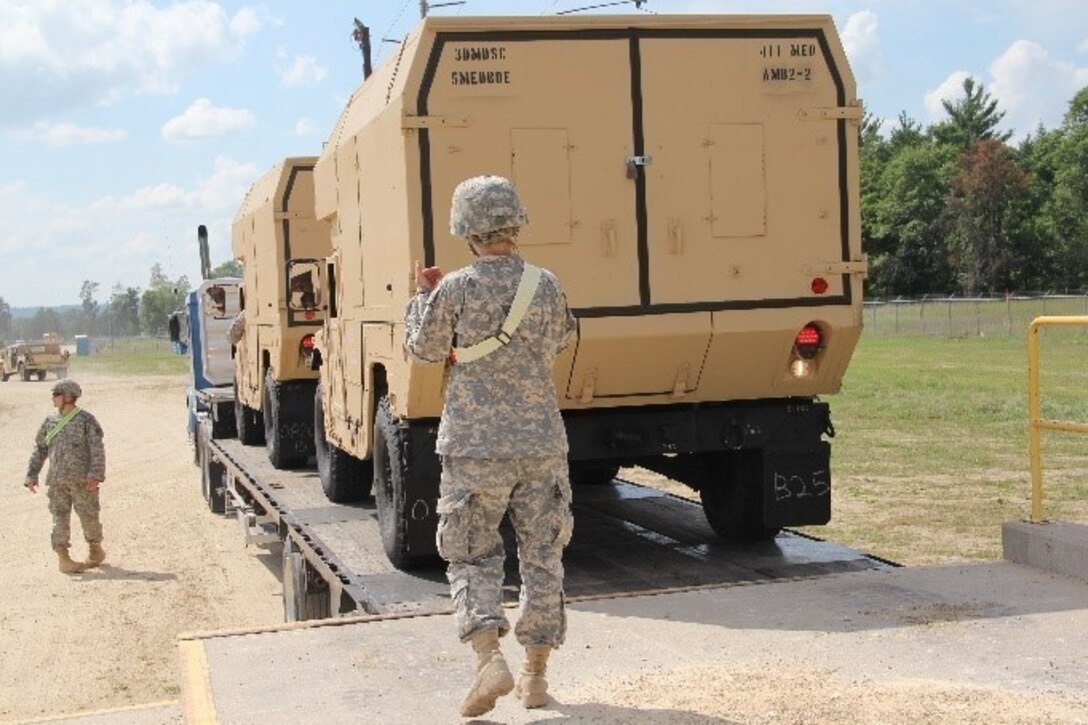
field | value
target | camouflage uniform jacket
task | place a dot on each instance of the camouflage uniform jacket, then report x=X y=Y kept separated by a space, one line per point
x=75 y=454
x=502 y=405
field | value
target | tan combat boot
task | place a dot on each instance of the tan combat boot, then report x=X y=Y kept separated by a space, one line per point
x=65 y=563
x=493 y=678
x=97 y=555
x=532 y=687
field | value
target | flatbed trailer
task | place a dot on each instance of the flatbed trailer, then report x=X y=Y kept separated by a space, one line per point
x=629 y=539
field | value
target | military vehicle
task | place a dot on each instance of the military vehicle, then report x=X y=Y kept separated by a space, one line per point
x=281 y=247
x=34 y=359
x=691 y=180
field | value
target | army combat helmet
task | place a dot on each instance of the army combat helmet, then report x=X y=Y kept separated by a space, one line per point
x=484 y=205
x=68 y=388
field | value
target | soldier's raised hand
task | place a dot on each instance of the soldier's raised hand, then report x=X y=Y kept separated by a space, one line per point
x=427 y=278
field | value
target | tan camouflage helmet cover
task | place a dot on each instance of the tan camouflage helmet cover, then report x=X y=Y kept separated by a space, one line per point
x=484 y=204
x=68 y=388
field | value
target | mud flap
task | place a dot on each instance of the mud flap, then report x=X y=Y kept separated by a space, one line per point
x=797 y=485
x=421 y=488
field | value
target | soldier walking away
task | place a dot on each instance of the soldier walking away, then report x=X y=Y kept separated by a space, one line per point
x=499 y=323
x=71 y=440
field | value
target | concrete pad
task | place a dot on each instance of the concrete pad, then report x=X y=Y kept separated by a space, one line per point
x=1052 y=545
x=998 y=626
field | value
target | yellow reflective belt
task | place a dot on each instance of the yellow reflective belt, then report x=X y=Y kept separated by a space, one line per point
x=530 y=280
x=60 y=426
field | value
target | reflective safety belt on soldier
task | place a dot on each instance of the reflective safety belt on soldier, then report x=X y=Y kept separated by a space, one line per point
x=530 y=280
x=60 y=426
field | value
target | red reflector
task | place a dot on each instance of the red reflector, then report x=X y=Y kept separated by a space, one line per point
x=819 y=285
x=308 y=342
x=809 y=336
x=308 y=314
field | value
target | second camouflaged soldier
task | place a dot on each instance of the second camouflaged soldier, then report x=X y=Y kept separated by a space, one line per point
x=501 y=438
x=71 y=440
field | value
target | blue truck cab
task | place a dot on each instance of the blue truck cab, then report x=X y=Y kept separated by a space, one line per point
x=210 y=310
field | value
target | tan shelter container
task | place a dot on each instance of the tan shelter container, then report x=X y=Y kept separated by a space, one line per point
x=282 y=248
x=692 y=181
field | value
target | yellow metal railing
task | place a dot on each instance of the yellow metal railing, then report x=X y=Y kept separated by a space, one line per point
x=1037 y=423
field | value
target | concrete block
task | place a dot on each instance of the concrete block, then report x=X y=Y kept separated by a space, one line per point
x=1056 y=546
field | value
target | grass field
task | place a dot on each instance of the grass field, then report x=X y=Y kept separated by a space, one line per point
x=931 y=452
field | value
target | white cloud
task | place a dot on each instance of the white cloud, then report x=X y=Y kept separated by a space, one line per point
x=56 y=56
x=304 y=127
x=1032 y=86
x=304 y=69
x=950 y=90
x=861 y=40
x=1083 y=47
x=67 y=134
x=202 y=120
x=113 y=239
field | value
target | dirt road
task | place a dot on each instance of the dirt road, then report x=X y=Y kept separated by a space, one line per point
x=106 y=638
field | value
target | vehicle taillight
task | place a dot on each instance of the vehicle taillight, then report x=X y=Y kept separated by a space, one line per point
x=808 y=341
x=307 y=343
x=819 y=285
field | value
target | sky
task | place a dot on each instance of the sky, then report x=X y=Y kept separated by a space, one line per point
x=126 y=123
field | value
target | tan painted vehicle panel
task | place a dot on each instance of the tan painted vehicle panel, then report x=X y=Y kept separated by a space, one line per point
x=34 y=359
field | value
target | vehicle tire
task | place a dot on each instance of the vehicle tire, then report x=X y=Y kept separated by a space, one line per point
x=390 y=473
x=305 y=595
x=278 y=440
x=732 y=497
x=24 y=373
x=41 y=375
x=344 y=477
x=213 y=480
x=4 y=377
x=247 y=421
x=592 y=474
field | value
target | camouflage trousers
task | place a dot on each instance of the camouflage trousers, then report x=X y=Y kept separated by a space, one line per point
x=475 y=494
x=63 y=497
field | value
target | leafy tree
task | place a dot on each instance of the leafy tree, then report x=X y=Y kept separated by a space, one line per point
x=1069 y=203
x=987 y=192
x=46 y=319
x=907 y=134
x=161 y=298
x=124 y=311
x=972 y=118
x=230 y=268
x=902 y=216
x=87 y=292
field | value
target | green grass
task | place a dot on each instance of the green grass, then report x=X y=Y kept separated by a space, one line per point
x=932 y=449
x=131 y=356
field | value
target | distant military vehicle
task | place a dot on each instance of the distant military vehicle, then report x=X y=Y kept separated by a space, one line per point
x=35 y=359
x=280 y=245
x=692 y=181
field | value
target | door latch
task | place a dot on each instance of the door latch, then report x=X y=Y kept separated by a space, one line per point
x=634 y=163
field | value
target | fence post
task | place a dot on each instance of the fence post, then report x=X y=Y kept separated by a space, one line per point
x=922 y=313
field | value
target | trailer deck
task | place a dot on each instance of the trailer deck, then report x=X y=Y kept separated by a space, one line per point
x=629 y=539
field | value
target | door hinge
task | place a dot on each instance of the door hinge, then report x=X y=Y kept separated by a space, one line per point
x=832 y=113
x=857 y=266
x=436 y=122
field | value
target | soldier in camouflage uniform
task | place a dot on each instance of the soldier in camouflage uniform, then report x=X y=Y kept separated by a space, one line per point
x=71 y=440
x=501 y=438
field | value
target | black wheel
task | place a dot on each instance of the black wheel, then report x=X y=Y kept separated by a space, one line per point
x=276 y=439
x=305 y=595
x=732 y=496
x=343 y=476
x=24 y=373
x=389 y=482
x=213 y=480
x=247 y=421
x=592 y=474
x=4 y=376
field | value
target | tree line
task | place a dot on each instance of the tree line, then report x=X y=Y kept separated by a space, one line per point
x=955 y=208
x=127 y=312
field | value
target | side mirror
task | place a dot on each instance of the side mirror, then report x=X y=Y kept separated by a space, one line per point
x=304 y=288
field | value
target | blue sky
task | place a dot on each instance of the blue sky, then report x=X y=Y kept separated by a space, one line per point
x=125 y=123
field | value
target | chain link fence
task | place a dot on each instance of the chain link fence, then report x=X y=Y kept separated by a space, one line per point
x=951 y=316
